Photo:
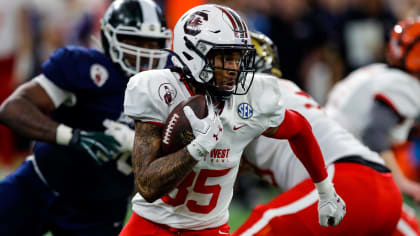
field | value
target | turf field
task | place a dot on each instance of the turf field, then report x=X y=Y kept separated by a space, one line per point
x=240 y=210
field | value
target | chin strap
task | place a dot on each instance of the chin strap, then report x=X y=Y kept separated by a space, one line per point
x=220 y=94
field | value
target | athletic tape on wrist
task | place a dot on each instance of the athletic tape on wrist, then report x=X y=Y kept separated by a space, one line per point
x=63 y=134
x=325 y=188
x=196 y=151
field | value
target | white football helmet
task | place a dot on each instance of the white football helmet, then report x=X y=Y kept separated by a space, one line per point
x=213 y=27
x=131 y=19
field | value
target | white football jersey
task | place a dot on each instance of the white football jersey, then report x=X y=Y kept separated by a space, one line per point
x=351 y=99
x=276 y=161
x=202 y=199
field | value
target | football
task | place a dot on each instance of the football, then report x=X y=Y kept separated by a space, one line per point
x=177 y=132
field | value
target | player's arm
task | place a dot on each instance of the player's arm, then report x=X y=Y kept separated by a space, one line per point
x=381 y=121
x=26 y=112
x=297 y=130
x=155 y=175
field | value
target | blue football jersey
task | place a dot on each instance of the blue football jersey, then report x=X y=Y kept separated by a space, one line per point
x=98 y=85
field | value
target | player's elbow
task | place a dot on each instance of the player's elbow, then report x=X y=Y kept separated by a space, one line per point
x=148 y=193
x=5 y=110
x=149 y=197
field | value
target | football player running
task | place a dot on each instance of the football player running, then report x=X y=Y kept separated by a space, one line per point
x=189 y=191
x=349 y=164
x=378 y=103
x=79 y=179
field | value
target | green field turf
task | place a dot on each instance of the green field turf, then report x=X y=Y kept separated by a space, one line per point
x=239 y=212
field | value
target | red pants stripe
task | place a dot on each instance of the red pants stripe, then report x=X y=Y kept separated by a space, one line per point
x=139 y=226
x=408 y=224
x=373 y=204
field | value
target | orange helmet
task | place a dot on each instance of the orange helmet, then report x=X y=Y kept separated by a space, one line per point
x=404 y=45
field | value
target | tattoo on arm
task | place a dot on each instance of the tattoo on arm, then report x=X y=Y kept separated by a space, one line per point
x=157 y=175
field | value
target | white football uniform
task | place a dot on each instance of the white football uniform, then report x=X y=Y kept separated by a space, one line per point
x=202 y=199
x=350 y=100
x=276 y=160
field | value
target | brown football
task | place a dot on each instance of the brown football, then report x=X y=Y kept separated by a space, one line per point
x=177 y=132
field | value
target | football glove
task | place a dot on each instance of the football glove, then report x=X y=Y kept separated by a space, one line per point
x=207 y=131
x=122 y=133
x=331 y=208
x=98 y=145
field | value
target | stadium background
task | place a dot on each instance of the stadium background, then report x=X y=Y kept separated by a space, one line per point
x=319 y=43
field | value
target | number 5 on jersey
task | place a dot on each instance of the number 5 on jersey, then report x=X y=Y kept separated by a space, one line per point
x=199 y=187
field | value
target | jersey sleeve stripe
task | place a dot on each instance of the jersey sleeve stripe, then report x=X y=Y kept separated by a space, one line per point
x=188 y=87
x=382 y=97
x=155 y=123
x=58 y=95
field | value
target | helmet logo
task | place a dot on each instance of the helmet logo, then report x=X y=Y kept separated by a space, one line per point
x=98 y=74
x=167 y=93
x=193 y=23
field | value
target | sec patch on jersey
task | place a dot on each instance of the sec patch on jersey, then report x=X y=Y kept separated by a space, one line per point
x=177 y=132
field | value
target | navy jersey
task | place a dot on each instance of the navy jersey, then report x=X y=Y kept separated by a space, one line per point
x=98 y=86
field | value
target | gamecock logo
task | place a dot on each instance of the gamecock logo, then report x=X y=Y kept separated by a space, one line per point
x=193 y=23
x=167 y=93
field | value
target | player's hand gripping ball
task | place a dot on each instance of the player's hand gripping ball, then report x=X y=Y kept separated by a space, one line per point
x=177 y=132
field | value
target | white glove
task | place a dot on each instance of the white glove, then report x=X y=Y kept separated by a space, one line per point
x=331 y=208
x=207 y=131
x=122 y=133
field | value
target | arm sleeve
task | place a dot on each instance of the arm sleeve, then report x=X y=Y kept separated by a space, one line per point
x=382 y=119
x=297 y=130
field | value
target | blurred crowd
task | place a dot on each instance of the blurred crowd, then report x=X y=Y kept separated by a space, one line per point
x=319 y=41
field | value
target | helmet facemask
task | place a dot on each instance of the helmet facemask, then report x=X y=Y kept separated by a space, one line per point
x=133 y=59
x=213 y=73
